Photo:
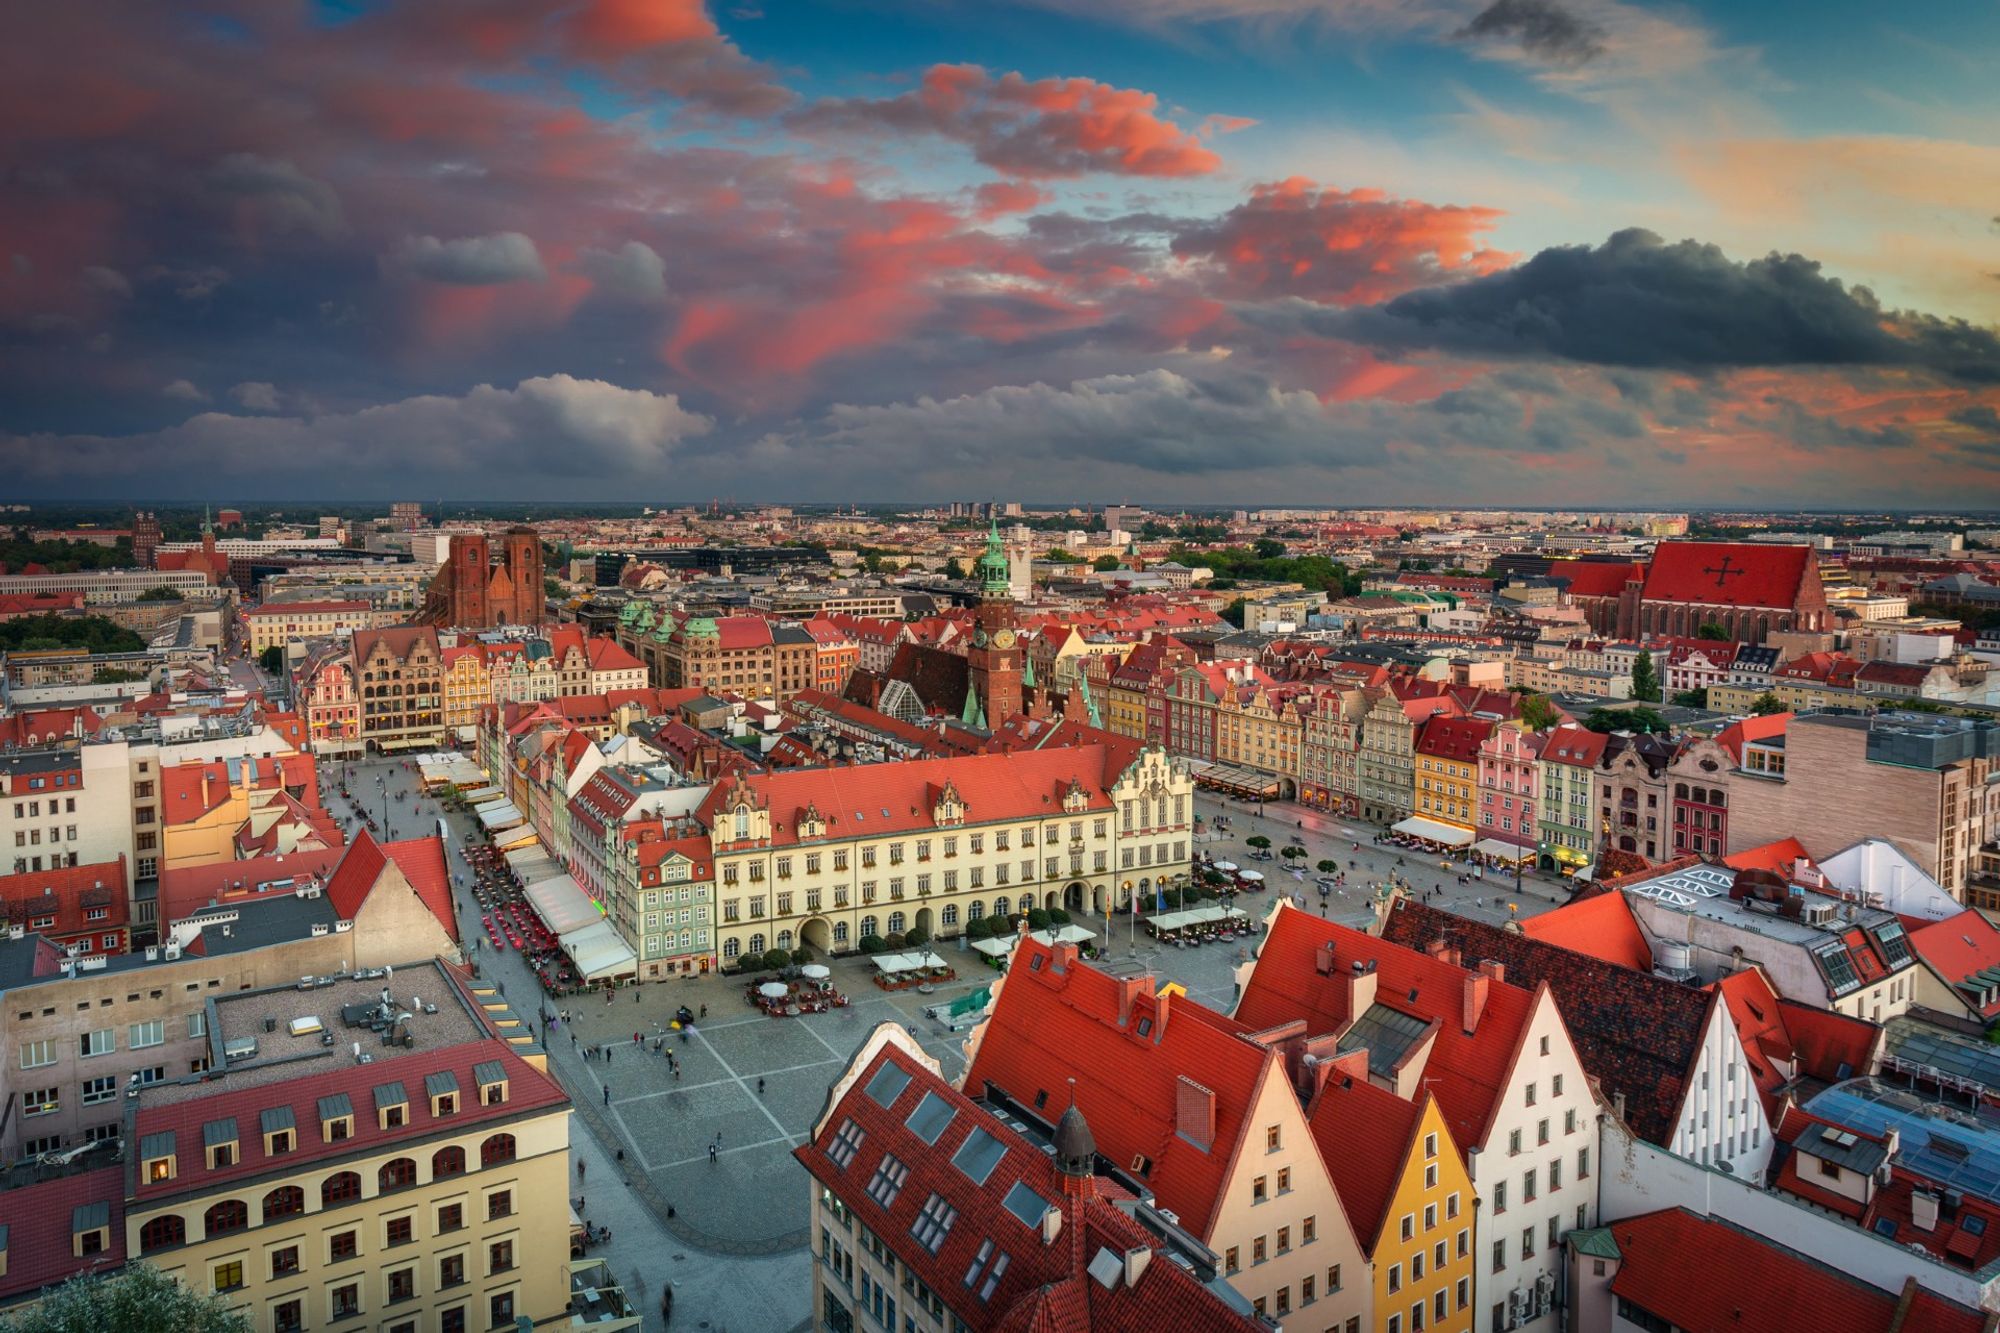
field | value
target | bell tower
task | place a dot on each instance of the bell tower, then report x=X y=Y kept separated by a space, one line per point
x=994 y=660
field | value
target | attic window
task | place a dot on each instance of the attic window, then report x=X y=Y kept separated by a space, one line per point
x=278 y=1126
x=491 y=1076
x=336 y=1118
x=90 y=1228
x=156 y=1158
x=392 y=1106
x=442 y=1089
x=218 y=1141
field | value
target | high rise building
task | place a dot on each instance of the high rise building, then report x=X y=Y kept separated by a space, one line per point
x=145 y=538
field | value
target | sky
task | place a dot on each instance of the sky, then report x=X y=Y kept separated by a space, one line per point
x=1309 y=252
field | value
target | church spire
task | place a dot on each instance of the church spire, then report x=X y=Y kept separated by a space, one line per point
x=992 y=567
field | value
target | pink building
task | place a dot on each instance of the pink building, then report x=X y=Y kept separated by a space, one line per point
x=1507 y=785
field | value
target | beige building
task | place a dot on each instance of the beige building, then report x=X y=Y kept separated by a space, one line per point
x=281 y=623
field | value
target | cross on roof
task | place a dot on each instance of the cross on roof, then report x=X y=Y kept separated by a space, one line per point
x=1723 y=572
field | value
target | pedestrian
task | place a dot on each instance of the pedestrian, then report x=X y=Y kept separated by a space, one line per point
x=711 y=1154
x=607 y=1055
x=760 y=1087
x=621 y=1154
x=607 y=1094
x=704 y=1011
x=579 y=1168
x=635 y=1039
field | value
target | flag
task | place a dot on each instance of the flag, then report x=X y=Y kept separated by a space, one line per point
x=1159 y=899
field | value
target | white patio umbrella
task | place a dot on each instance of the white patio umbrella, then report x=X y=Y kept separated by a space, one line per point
x=1226 y=867
x=816 y=971
x=1254 y=876
x=773 y=990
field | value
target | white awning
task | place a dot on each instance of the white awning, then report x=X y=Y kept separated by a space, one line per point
x=1430 y=830
x=598 y=953
x=562 y=905
x=992 y=948
x=525 y=856
x=1509 y=852
x=1065 y=935
x=483 y=795
x=907 y=962
x=503 y=815
x=534 y=867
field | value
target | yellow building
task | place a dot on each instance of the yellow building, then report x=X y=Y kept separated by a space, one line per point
x=1447 y=769
x=276 y=624
x=228 y=809
x=1403 y=1182
x=408 y=1193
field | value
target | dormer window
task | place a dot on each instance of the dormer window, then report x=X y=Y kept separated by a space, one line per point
x=90 y=1228
x=280 y=1129
x=392 y=1106
x=442 y=1089
x=491 y=1076
x=336 y=1118
x=156 y=1158
x=218 y=1142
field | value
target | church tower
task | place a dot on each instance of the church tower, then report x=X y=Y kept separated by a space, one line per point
x=994 y=661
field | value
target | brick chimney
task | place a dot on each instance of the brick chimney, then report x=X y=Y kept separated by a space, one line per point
x=1129 y=991
x=1442 y=951
x=1194 y=1112
x=1494 y=968
x=1361 y=980
x=1477 y=984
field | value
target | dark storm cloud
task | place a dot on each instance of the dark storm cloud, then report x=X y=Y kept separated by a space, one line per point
x=1978 y=417
x=1640 y=302
x=473 y=261
x=1544 y=30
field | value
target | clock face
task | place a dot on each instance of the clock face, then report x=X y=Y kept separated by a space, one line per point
x=979 y=637
x=1004 y=639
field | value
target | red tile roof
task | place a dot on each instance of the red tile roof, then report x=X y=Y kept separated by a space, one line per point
x=1046 y=1286
x=422 y=861
x=1364 y=1135
x=1959 y=946
x=1602 y=926
x=1784 y=1039
x=1780 y=856
x=607 y=655
x=1772 y=575
x=1055 y=1019
x=1467 y=1072
x=1596 y=578
x=1579 y=747
x=1453 y=738
x=38 y=1221
x=1767 y=1286
x=1637 y=1034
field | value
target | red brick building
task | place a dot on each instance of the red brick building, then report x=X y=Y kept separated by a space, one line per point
x=474 y=591
x=1750 y=589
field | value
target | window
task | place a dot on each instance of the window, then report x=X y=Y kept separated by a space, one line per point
x=499 y=1256
x=1309 y=1230
x=146 y=1034
x=501 y=1308
x=1258 y=1251
x=97 y=1043
x=35 y=1054
x=229 y=1215
x=1430 y=1146
x=1499 y=1255
x=499 y=1204
x=1260 y=1189
x=161 y=1232
x=451 y=1270
x=285 y=1261
x=396 y=1175
x=344 y=1245
x=1284 y=1180
x=1271 y=1138
x=1451 y=1205
x=402 y=1284
x=497 y=1148
x=1499 y=1196
x=1528 y=1186
x=1527 y=1242
x=450 y=1217
x=341 y=1187
x=1284 y=1240
x=1332 y=1278
x=347 y=1300
x=1542 y=1132
x=933 y=1224
x=400 y=1231
x=1513 y=1142
x=1232 y=1260
x=448 y=1162
x=1583 y=1163
x=229 y=1276
x=41 y=1102
x=285 y=1201
x=1395 y=1277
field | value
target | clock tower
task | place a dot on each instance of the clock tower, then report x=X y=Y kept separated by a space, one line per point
x=994 y=661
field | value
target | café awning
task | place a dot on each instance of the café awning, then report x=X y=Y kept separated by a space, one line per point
x=1430 y=830
x=598 y=953
x=1509 y=852
x=562 y=904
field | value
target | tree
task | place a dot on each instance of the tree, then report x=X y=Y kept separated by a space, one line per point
x=1625 y=719
x=1266 y=549
x=873 y=944
x=552 y=589
x=1233 y=613
x=1539 y=712
x=1292 y=853
x=1104 y=564
x=954 y=570
x=1058 y=917
x=92 y=634
x=160 y=594
x=1766 y=704
x=1038 y=919
x=1710 y=630
x=801 y=956
x=916 y=935
x=775 y=959
x=1692 y=698
x=1056 y=555
x=896 y=940
x=1259 y=841
x=141 y=1299
x=272 y=659
x=1645 y=680
x=1327 y=867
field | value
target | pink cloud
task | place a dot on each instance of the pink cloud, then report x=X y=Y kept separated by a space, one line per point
x=1345 y=247
x=999 y=198
x=1030 y=128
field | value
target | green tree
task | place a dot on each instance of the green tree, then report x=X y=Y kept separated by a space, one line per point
x=1766 y=704
x=115 y=676
x=1625 y=719
x=954 y=570
x=1327 y=867
x=92 y=634
x=1710 y=630
x=1292 y=853
x=552 y=589
x=1692 y=698
x=1234 y=612
x=801 y=956
x=777 y=958
x=140 y=1299
x=1058 y=917
x=160 y=594
x=1539 y=712
x=916 y=935
x=272 y=659
x=1104 y=564
x=1259 y=841
x=873 y=944
x=1038 y=919
x=1645 y=680
x=1267 y=549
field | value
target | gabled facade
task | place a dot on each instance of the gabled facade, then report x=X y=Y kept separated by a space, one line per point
x=1509 y=778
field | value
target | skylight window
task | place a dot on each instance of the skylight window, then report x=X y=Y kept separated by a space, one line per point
x=1895 y=944
x=846 y=1142
x=888 y=1182
x=888 y=1084
x=933 y=1224
x=978 y=1155
x=986 y=1271
x=1839 y=968
x=1027 y=1205
x=931 y=1117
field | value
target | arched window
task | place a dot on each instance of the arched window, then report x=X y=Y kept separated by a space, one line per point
x=949 y=914
x=161 y=1232
x=785 y=940
x=498 y=1148
x=1719 y=799
x=342 y=1187
x=896 y=922
x=284 y=1201
x=976 y=910
x=870 y=926
x=448 y=1162
x=840 y=932
x=730 y=948
x=1680 y=791
x=757 y=943
x=1000 y=905
x=397 y=1175
x=687 y=940
x=229 y=1215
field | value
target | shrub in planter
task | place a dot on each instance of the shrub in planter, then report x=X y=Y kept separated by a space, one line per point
x=897 y=941
x=916 y=935
x=1058 y=917
x=873 y=944
x=778 y=958
x=801 y=956
x=1038 y=919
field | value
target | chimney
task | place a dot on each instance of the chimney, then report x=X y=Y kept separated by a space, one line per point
x=1618 y=1106
x=1136 y=1260
x=1323 y=959
x=1494 y=968
x=1477 y=984
x=1194 y=1112
x=1923 y=1210
x=1129 y=991
x=1052 y=1225
x=1361 y=982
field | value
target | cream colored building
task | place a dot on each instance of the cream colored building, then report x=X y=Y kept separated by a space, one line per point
x=276 y=624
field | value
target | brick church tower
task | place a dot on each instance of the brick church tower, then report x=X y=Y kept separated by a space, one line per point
x=145 y=538
x=473 y=591
x=994 y=661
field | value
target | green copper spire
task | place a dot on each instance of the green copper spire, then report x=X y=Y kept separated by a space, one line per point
x=992 y=567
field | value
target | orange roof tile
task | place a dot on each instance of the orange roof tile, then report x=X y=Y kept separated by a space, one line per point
x=1602 y=926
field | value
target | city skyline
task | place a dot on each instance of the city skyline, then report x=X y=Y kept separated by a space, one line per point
x=1325 y=253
